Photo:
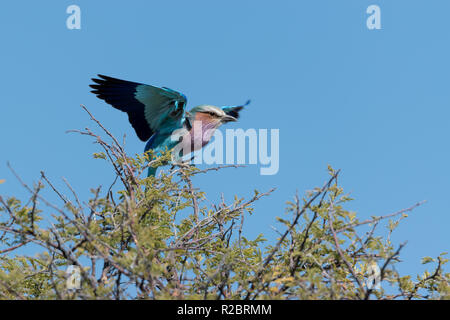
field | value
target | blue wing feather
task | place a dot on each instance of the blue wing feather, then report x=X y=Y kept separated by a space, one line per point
x=150 y=109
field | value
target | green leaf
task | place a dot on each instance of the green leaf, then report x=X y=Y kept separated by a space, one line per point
x=426 y=260
x=99 y=155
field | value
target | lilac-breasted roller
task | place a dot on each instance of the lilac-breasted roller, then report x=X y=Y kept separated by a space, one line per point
x=156 y=113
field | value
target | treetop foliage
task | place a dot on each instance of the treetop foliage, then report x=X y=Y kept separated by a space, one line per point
x=156 y=238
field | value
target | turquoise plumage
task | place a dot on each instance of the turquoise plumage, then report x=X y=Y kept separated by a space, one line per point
x=156 y=113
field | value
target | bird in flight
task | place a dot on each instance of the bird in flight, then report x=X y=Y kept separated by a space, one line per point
x=156 y=114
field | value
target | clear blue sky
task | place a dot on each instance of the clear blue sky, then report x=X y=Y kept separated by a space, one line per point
x=375 y=104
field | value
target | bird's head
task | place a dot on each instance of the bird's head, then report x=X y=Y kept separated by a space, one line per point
x=212 y=115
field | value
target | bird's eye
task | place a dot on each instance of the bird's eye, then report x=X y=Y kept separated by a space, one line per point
x=212 y=114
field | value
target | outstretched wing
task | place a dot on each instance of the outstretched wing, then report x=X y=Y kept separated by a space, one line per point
x=234 y=110
x=149 y=108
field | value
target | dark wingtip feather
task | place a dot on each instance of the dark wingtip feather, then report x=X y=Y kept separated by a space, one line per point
x=110 y=79
x=98 y=81
x=120 y=94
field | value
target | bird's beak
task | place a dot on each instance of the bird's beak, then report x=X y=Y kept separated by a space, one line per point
x=227 y=118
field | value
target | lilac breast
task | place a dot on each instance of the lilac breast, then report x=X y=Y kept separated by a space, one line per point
x=201 y=133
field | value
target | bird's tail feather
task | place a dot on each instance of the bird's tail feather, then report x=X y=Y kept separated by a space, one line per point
x=151 y=172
